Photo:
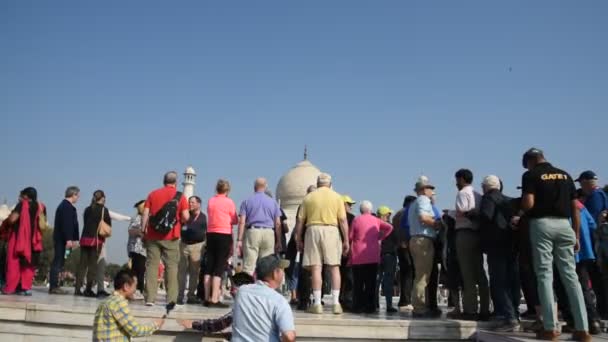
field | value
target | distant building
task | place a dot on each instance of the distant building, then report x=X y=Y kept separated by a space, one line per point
x=292 y=187
x=189 y=182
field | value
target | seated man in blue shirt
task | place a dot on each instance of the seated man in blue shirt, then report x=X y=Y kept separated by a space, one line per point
x=260 y=312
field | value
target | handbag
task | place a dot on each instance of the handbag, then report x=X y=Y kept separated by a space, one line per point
x=104 y=230
x=43 y=224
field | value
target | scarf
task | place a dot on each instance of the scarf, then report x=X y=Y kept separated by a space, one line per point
x=29 y=239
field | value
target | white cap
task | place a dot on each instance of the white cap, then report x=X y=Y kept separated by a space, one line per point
x=491 y=182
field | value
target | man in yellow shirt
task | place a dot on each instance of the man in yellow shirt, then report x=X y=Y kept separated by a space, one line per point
x=113 y=320
x=322 y=211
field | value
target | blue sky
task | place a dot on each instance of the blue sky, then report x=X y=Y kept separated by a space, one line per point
x=112 y=94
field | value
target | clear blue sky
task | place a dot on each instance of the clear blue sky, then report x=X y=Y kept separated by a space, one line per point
x=112 y=94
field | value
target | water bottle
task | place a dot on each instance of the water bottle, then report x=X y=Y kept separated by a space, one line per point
x=67 y=253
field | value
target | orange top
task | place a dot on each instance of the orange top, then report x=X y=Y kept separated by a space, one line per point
x=221 y=215
x=156 y=200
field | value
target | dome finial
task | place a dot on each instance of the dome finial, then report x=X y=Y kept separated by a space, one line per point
x=305 y=152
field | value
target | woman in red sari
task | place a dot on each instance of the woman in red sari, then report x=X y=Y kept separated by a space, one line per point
x=24 y=243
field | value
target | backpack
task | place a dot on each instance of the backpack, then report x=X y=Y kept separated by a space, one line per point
x=503 y=213
x=166 y=218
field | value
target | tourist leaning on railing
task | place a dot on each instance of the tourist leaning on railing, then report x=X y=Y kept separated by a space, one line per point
x=113 y=320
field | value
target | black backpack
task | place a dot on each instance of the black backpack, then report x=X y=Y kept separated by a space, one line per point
x=504 y=213
x=166 y=218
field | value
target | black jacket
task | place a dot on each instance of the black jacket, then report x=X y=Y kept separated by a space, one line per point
x=92 y=218
x=66 y=222
x=495 y=220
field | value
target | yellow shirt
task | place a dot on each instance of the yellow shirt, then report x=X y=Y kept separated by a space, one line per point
x=322 y=207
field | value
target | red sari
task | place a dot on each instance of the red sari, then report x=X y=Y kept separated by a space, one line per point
x=23 y=242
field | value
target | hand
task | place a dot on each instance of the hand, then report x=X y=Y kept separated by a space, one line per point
x=69 y=245
x=515 y=221
x=186 y=323
x=239 y=248
x=299 y=245
x=604 y=216
x=404 y=245
x=438 y=224
x=278 y=247
x=159 y=322
x=345 y=248
x=577 y=246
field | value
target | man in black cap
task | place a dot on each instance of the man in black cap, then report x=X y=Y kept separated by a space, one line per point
x=549 y=198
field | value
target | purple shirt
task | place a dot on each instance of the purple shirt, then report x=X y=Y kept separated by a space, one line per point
x=260 y=211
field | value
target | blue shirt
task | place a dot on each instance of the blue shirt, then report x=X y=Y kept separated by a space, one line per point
x=260 y=210
x=596 y=203
x=422 y=206
x=260 y=314
x=588 y=226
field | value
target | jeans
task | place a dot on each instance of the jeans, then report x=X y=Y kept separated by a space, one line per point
x=504 y=282
x=292 y=273
x=553 y=241
x=58 y=262
x=406 y=276
x=388 y=268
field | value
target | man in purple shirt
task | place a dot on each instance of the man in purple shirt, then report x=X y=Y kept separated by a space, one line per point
x=259 y=227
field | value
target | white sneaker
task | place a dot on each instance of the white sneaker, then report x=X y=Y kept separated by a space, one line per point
x=149 y=304
x=138 y=296
x=407 y=308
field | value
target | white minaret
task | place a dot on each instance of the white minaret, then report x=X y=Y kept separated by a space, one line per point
x=189 y=182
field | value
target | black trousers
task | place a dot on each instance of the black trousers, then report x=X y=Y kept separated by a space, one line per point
x=365 y=287
x=526 y=267
x=304 y=288
x=138 y=264
x=406 y=276
x=600 y=287
x=504 y=282
x=346 y=288
x=584 y=277
x=58 y=262
x=432 y=287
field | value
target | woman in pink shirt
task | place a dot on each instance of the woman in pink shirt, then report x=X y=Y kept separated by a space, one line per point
x=221 y=216
x=365 y=235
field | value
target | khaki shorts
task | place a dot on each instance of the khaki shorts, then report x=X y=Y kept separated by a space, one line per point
x=322 y=246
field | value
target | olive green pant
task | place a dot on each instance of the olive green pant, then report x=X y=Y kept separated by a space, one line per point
x=470 y=259
x=168 y=250
x=88 y=266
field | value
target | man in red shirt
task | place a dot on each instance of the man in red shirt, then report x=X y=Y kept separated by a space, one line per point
x=166 y=245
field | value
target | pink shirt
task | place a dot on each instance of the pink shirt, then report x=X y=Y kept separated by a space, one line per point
x=364 y=236
x=221 y=215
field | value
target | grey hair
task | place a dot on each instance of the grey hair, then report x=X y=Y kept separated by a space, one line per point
x=324 y=179
x=72 y=191
x=170 y=178
x=366 y=207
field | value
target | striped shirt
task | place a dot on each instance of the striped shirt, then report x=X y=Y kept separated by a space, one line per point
x=113 y=322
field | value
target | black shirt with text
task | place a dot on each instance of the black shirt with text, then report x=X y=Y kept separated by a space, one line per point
x=553 y=191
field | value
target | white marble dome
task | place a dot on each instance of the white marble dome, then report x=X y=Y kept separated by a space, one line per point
x=292 y=186
x=190 y=170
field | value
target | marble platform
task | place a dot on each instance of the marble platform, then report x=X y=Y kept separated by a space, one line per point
x=47 y=318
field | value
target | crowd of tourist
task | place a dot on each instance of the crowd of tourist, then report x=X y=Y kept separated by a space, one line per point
x=551 y=244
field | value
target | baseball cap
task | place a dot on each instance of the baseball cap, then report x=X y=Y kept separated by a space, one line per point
x=531 y=153
x=383 y=210
x=268 y=264
x=491 y=181
x=347 y=199
x=423 y=183
x=587 y=175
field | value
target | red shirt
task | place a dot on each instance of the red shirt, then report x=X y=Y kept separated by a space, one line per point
x=156 y=200
x=221 y=215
